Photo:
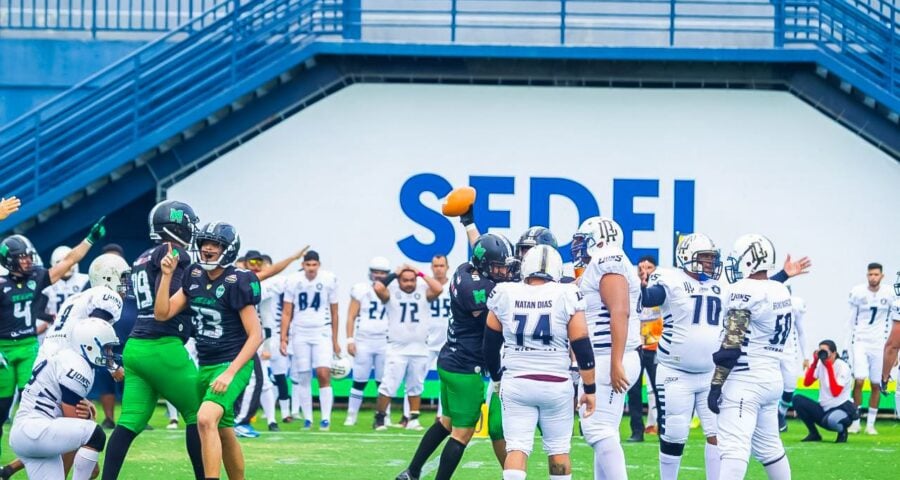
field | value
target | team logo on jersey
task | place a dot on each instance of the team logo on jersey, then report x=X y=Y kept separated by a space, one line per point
x=480 y=296
x=76 y=289
x=220 y=290
x=688 y=287
x=6 y=289
x=231 y=278
x=254 y=287
x=32 y=284
x=318 y=286
x=78 y=377
x=194 y=286
x=716 y=289
x=884 y=301
x=417 y=296
x=196 y=272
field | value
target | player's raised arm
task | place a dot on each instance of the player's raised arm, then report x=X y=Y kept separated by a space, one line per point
x=380 y=287
x=736 y=324
x=279 y=267
x=166 y=307
x=74 y=256
x=9 y=206
x=614 y=294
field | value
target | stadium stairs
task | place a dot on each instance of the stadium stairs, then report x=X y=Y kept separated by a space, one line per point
x=129 y=131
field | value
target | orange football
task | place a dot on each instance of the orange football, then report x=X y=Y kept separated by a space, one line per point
x=458 y=201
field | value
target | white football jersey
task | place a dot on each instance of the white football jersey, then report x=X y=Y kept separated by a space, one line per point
x=271 y=300
x=312 y=301
x=692 y=321
x=65 y=377
x=796 y=344
x=63 y=289
x=895 y=310
x=769 y=304
x=99 y=302
x=371 y=323
x=535 y=323
x=408 y=319
x=870 y=313
x=439 y=320
x=610 y=260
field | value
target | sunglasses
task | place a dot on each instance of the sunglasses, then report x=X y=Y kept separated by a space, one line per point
x=255 y=262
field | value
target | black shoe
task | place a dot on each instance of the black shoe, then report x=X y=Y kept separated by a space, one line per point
x=6 y=472
x=147 y=428
x=842 y=437
x=782 y=423
x=812 y=437
x=635 y=438
x=273 y=427
x=405 y=475
x=108 y=424
x=404 y=420
x=287 y=419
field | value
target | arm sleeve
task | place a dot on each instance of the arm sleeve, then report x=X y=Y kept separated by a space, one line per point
x=652 y=296
x=70 y=397
x=780 y=277
x=39 y=307
x=811 y=376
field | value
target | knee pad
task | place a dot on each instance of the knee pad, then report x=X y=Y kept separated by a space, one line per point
x=836 y=420
x=675 y=431
x=97 y=440
x=359 y=385
x=673 y=449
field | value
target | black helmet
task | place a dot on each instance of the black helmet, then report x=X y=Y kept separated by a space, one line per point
x=172 y=220
x=533 y=237
x=225 y=235
x=13 y=247
x=491 y=251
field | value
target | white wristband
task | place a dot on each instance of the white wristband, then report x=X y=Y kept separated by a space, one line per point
x=350 y=340
x=471 y=227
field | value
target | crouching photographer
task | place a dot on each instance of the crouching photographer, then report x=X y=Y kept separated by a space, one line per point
x=834 y=411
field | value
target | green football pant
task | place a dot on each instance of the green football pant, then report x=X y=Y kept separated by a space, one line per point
x=18 y=356
x=226 y=399
x=495 y=418
x=156 y=368
x=461 y=397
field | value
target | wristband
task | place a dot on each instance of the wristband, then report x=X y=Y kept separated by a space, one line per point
x=420 y=274
x=589 y=388
x=471 y=227
x=350 y=340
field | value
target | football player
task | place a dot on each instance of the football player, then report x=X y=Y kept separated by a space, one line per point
x=794 y=358
x=746 y=384
x=461 y=360
x=271 y=307
x=440 y=315
x=223 y=300
x=536 y=322
x=367 y=328
x=18 y=288
x=156 y=361
x=407 y=300
x=870 y=307
x=48 y=425
x=71 y=283
x=309 y=332
x=611 y=290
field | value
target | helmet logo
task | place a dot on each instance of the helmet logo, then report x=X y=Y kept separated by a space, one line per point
x=4 y=249
x=176 y=216
x=479 y=251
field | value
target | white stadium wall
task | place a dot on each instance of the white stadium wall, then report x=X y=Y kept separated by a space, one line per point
x=721 y=162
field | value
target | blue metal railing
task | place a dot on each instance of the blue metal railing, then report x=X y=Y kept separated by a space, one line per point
x=234 y=46
x=96 y=16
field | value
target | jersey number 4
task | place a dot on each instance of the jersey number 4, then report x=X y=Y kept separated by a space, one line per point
x=541 y=330
x=303 y=301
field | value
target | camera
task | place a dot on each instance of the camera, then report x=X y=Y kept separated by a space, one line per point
x=823 y=355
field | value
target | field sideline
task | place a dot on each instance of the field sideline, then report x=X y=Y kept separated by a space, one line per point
x=359 y=453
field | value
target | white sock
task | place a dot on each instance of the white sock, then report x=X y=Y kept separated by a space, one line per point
x=780 y=470
x=732 y=469
x=326 y=401
x=608 y=453
x=85 y=461
x=355 y=402
x=406 y=406
x=304 y=387
x=870 y=418
x=513 y=475
x=440 y=411
x=561 y=477
x=669 y=466
x=267 y=400
x=173 y=413
x=285 y=406
x=651 y=408
x=713 y=461
x=387 y=415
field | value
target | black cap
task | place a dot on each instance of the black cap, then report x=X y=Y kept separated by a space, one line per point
x=311 y=255
x=254 y=255
x=114 y=248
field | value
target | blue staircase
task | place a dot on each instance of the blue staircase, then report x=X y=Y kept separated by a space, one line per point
x=142 y=106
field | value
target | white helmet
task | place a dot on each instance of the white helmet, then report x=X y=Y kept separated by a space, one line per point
x=340 y=366
x=59 y=253
x=689 y=250
x=751 y=253
x=111 y=271
x=544 y=262
x=94 y=339
x=380 y=264
x=593 y=234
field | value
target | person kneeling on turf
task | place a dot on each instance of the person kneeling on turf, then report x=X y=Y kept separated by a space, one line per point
x=834 y=410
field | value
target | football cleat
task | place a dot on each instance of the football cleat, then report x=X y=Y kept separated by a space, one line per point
x=245 y=431
x=307 y=424
x=350 y=421
x=405 y=475
x=273 y=427
x=782 y=423
x=414 y=425
x=173 y=425
x=854 y=428
x=287 y=419
x=324 y=426
x=871 y=431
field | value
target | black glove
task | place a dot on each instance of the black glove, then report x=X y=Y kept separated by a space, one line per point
x=715 y=396
x=467 y=218
x=884 y=385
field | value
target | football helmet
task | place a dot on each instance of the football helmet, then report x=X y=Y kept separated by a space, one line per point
x=94 y=339
x=594 y=234
x=689 y=252
x=493 y=252
x=172 y=220
x=533 y=237
x=110 y=271
x=225 y=235
x=13 y=247
x=544 y=262
x=341 y=366
x=751 y=253
x=379 y=267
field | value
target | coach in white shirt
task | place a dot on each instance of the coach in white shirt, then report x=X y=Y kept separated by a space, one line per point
x=834 y=410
